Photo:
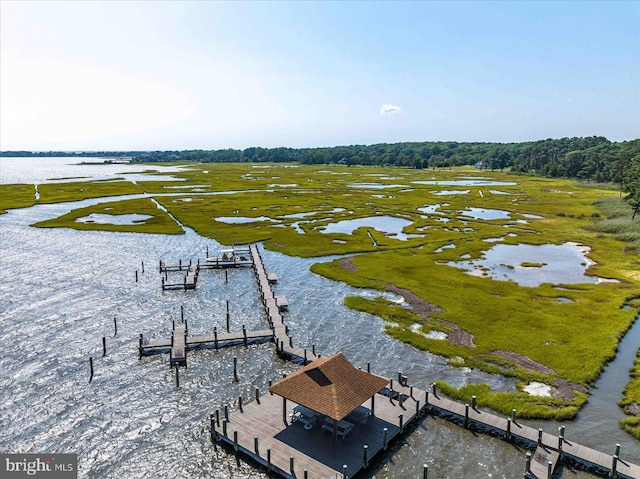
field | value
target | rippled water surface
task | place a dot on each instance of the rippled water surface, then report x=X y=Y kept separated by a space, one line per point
x=60 y=290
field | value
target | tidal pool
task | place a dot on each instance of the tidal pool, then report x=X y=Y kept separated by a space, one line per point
x=449 y=192
x=485 y=214
x=105 y=219
x=241 y=219
x=390 y=225
x=560 y=264
x=466 y=183
x=433 y=209
x=374 y=185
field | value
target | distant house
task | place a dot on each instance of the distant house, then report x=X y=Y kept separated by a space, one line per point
x=482 y=164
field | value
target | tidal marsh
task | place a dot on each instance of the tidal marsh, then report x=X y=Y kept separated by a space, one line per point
x=498 y=326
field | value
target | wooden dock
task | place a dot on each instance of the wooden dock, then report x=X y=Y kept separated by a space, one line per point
x=181 y=342
x=265 y=432
x=189 y=281
x=284 y=342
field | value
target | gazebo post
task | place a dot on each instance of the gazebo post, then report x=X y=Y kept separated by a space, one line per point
x=284 y=409
x=334 y=431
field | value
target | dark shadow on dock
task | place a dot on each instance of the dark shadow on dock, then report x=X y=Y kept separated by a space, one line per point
x=317 y=443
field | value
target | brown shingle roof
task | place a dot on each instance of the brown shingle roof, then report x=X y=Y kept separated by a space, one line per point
x=330 y=385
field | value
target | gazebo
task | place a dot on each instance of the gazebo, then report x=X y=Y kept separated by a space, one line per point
x=330 y=386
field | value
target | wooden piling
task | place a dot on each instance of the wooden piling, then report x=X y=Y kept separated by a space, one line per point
x=215 y=337
x=528 y=463
x=291 y=465
x=425 y=471
x=235 y=441
x=365 y=455
x=212 y=427
x=235 y=369
x=240 y=403
x=508 y=432
x=91 y=367
x=104 y=346
x=256 y=449
x=143 y=266
x=136 y=276
x=244 y=335
x=182 y=313
x=614 y=467
x=227 y=315
x=115 y=327
x=177 y=376
x=474 y=402
x=140 y=347
x=384 y=437
x=466 y=415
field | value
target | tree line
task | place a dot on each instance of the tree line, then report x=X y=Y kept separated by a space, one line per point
x=593 y=158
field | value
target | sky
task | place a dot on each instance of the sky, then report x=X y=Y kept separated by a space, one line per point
x=164 y=75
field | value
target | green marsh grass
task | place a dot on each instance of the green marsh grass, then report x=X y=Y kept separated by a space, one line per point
x=575 y=339
x=631 y=396
x=16 y=196
x=83 y=190
x=159 y=223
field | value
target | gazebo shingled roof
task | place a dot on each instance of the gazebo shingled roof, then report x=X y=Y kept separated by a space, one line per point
x=330 y=385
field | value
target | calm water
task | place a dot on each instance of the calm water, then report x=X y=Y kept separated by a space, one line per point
x=60 y=290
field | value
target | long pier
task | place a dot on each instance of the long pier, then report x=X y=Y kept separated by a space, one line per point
x=273 y=309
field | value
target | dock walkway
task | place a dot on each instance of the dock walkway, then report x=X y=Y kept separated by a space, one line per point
x=284 y=342
x=217 y=340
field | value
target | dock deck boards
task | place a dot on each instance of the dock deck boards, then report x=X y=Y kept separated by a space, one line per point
x=148 y=346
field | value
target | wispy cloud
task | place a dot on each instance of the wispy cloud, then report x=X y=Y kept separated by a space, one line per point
x=390 y=110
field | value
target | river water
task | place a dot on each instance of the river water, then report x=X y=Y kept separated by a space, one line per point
x=60 y=290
